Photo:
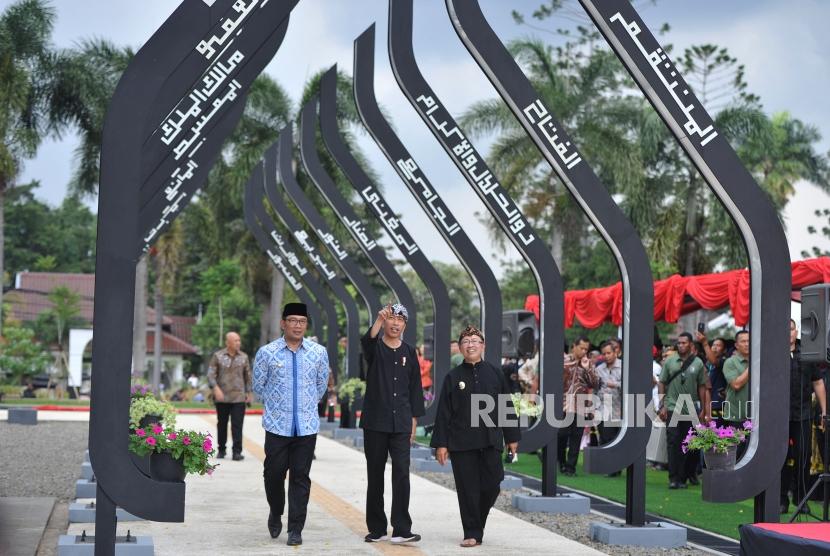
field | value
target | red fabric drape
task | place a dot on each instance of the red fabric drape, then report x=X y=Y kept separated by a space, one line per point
x=709 y=291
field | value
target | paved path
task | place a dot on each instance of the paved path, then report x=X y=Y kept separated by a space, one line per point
x=226 y=513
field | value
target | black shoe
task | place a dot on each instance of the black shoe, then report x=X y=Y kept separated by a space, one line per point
x=221 y=454
x=408 y=537
x=682 y=485
x=274 y=526
x=694 y=481
x=376 y=537
x=674 y=485
x=294 y=538
x=569 y=472
x=614 y=474
x=238 y=457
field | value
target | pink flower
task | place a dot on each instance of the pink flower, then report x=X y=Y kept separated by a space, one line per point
x=210 y=471
x=151 y=441
x=172 y=436
x=684 y=448
x=140 y=432
x=748 y=425
x=157 y=429
x=186 y=441
x=207 y=446
x=726 y=432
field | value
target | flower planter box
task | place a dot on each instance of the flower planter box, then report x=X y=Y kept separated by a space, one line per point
x=86 y=471
x=85 y=488
x=718 y=461
x=348 y=433
x=430 y=465
x=22 y=416
x=77 y=545
x=84 y=512
x=166 y=469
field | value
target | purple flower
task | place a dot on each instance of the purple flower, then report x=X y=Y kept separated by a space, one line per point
x=684 y=448
x=726 y=432
x=748 y=425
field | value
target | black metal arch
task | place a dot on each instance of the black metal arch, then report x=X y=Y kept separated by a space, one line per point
x=769 y=261
x=162 y=72
x=487 y=287
x=474 y=169
x=298 y=233
x=277 y=249
x=326 y=185
x=282 y=177
x=373 y=198
x=628 y=448
x=171 y=159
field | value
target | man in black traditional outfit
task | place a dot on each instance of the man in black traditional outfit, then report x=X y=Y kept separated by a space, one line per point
x=474 y=445
x=393 y=402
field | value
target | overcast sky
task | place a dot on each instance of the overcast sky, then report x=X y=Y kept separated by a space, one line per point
x=783 y=45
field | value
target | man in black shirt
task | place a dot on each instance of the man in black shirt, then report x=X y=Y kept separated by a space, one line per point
x=474 y=446
x=715 y=357
x=392 y=404
x=804 y=380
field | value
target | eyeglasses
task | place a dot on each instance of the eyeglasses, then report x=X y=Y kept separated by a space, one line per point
x=297 y=322
x=470 y=342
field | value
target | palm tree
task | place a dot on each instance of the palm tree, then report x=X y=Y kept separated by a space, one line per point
x=577 y=90
x=167 y=252
x=83 y=80
x=268 y=109
x=25 y=32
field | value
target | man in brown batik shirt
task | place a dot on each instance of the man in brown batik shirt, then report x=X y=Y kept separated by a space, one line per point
x=229 y=374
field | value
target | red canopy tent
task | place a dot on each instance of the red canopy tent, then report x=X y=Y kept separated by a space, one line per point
x=678 y=295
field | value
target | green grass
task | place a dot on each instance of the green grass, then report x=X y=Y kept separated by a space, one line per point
x=685 y=506
x=36 y=401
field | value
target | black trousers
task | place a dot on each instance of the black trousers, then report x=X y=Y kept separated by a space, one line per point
x=568 y=445
x=284 y=453
x=795 y=475
x=376 y=446
x=478 y=476
x=236 y=411
x=681 y=466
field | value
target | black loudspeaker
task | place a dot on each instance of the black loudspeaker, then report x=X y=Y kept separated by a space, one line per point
x=429 y=342
x=518 y=334
x=815 y=312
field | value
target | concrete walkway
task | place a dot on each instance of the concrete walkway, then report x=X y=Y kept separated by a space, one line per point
x=226 y=513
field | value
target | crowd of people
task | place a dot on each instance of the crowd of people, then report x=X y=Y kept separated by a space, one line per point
x=713 y=373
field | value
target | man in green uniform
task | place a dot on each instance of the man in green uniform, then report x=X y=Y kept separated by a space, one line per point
x=736 y=373
x=682 y=386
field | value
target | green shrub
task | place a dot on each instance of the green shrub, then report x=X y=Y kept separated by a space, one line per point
x=150 y=405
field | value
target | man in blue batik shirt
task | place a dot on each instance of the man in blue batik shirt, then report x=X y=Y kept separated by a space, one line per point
x=290 y=375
